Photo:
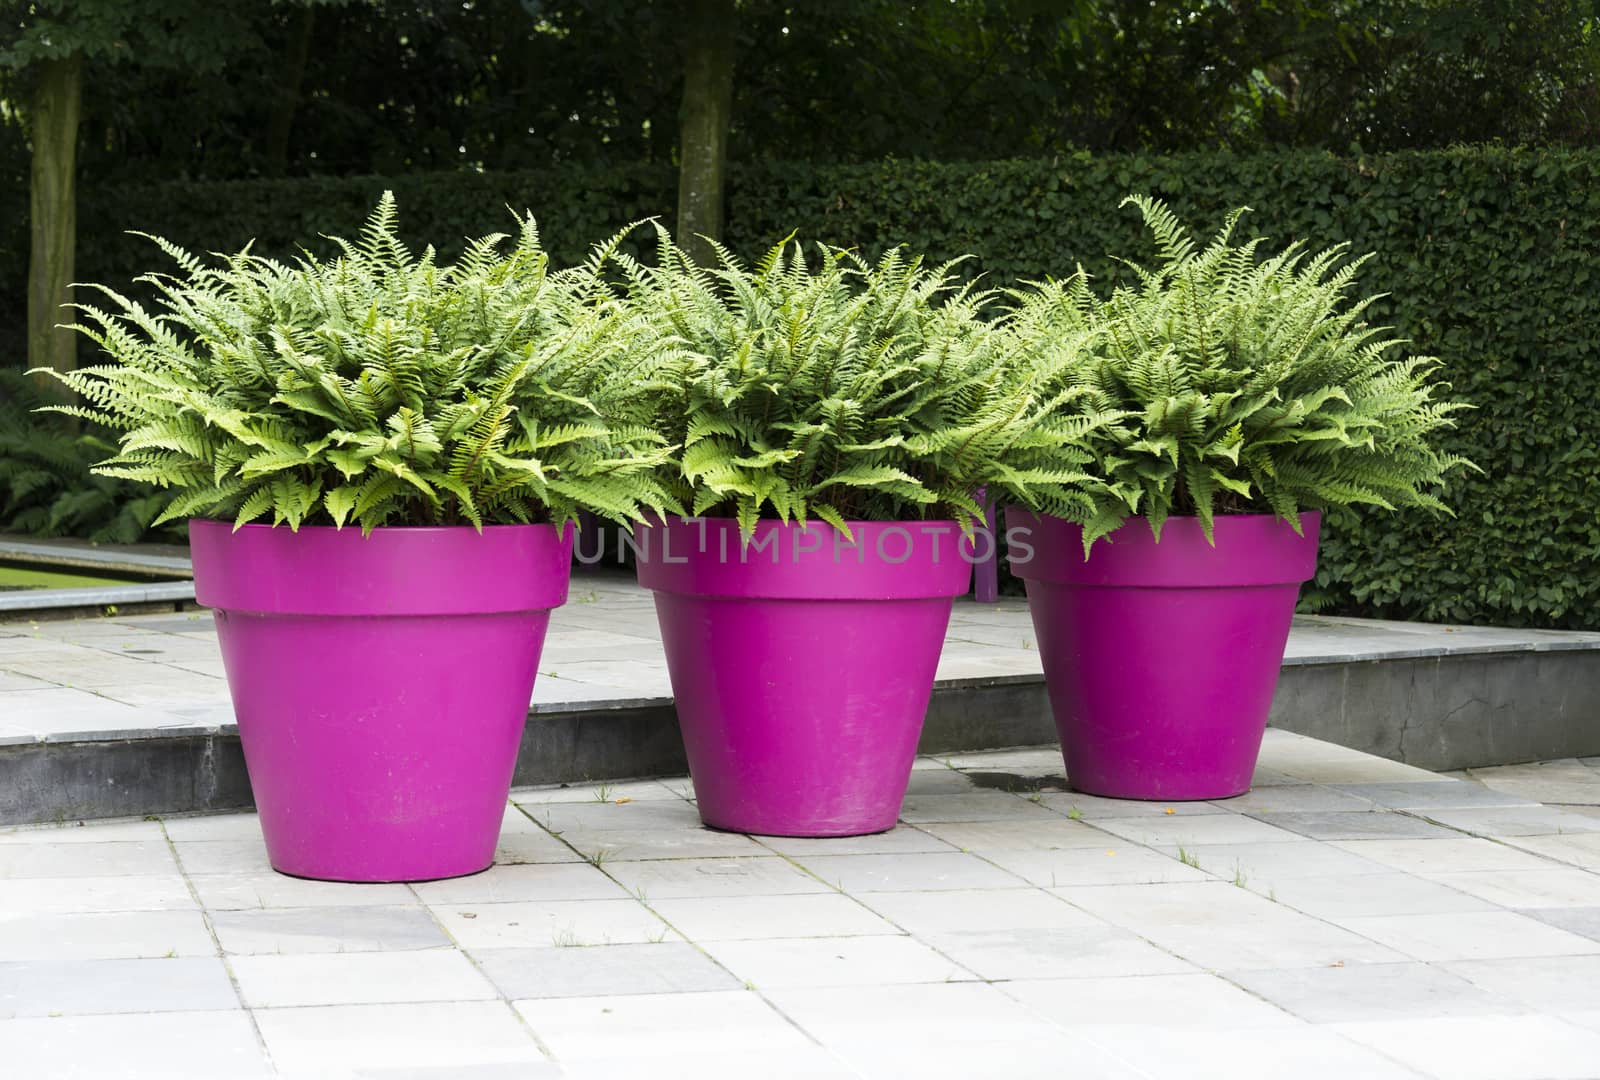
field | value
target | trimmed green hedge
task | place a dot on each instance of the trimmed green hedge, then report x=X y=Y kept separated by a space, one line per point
x=1490 y=257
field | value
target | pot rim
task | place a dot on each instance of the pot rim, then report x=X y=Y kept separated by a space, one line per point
x=885 y=560
x=1249 y=550
x=321 y=570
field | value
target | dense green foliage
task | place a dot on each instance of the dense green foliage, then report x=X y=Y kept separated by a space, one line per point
x=1242 y=383
x=1487 y=258
x=45 y=485
x=849 y=392
x=375 y=388
x=230 y=89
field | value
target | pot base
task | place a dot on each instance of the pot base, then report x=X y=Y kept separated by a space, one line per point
x=802 y=665
x=1161 y=659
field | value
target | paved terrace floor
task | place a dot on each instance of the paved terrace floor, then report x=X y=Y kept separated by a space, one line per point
x=1351 y=918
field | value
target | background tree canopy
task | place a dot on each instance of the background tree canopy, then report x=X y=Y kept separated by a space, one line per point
x=258 y=87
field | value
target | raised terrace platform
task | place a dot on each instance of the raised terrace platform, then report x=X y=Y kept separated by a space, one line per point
x=116 y=716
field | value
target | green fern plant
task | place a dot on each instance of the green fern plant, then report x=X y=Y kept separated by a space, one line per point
x=373 y=388
x=45 y=489
x=1247 y=384
x=846 y=392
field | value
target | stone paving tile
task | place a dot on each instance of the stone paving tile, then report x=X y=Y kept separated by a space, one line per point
x=84 y=987
x=767 y=875
x=915 y=872
x=1189 y=1000
x=1549 y=983
x=10 y=681
x=1334 y=825
x=163 y=695
x=1031 y=835
x=201 y=857
x=41 y=714
x=970 y=806
x=1093 y=808
x=813 y=915
x=1351 y=896
x=134 y=1046
x=1265 y=776
x=337 y=1040
x=898 y=841
x=104 y=935
x=79 y=832
x=77 y=668
x=632 y=845
x=645 y=814
x=552 y=923
x=618 y=793
x=874 y=960
x=1518 y=821
x=1219 y=926
x=561 y=881
x=1296 y=798
x=1032 y=759
x=964 y=909
x=1189 y=831
x=121 y=858
x=1359 y=993
x=1076 y=951
x=327 y=929
x=1304 y=1053
x=1352 y=768
x=1578 y=849
x=940 y=781
x=913 y=1014
x=239 y=892
x=1556 y=887
x=359 y=978
x=683 y=787
x=1426 y=858
x=1468 y=935
x=661 y=1025
x=958 y=1057
x=796 y=1063
x=66 y=895
x=667 y=967
x=1263 y=866
x=532 y=846
x=1577 y=920
x=1484 y=1047
x=237 y=826
x=1116 y=863
x=1433 y=795
x=1565 y=781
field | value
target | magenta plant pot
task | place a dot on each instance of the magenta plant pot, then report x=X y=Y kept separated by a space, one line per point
x=381 y=685
x=1161 y=659
x=802 y=666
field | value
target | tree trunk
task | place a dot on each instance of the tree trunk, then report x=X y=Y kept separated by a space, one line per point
x=53 y=214
x=281 y=122
x=707 y=111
